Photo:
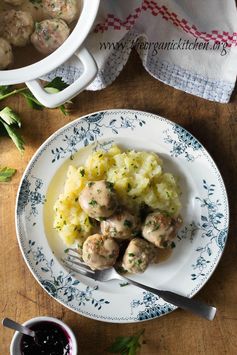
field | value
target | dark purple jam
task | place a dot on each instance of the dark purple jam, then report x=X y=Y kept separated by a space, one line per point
x=51 y=339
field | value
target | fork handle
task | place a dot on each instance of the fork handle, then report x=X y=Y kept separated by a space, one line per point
x=188 y=304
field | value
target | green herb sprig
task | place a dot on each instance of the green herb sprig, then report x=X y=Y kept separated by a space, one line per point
x=9 y=120
x=6 y=174
x=56 y=85
x=126 y=345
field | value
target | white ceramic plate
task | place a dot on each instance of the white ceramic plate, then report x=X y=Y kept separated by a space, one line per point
x=200 y=242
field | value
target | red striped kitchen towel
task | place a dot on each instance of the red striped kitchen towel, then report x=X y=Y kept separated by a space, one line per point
x=190 y=45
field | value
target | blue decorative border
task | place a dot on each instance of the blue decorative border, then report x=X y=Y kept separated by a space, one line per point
x=155 y=310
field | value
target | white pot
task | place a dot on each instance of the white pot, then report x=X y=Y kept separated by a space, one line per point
x=72 y=46
x=16 y=340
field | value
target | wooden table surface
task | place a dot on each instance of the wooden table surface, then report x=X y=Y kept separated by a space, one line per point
x=215 y=125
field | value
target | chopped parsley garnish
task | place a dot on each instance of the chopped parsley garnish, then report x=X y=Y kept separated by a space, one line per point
x=109 y=185
x=149 y=223
x=172 y=245
x=76 y=199
x=165 y=244
x=91 y=183
x=127 y=223
x=166 y=213
x=102 y=219
x=93 y=203
x=129 y=187
x=131 y=254
x=124 y=284
x=156 y=226
x=82 y=172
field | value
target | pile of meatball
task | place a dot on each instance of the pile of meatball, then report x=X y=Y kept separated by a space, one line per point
x=139 y=239
x=17 y=28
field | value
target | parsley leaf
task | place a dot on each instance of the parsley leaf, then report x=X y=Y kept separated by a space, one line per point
x=6 y=174
x=16 y=138
x=8 y=90
x=5 y=89
x=31 y=100
x=126 y=345
x=8 y=118
x=56 y=85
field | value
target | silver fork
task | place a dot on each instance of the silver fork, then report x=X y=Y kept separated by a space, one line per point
x=74 y=262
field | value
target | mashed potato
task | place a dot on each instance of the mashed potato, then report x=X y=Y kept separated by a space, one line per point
x=138 y=179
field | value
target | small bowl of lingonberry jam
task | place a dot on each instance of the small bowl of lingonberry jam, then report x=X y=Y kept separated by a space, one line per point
x=52 y=337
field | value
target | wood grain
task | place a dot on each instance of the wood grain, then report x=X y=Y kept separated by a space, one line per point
x=215 y=125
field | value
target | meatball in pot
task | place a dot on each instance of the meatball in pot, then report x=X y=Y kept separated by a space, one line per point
x=67 y=10
x=16 y=27
x=6 y=55
x=49 y=35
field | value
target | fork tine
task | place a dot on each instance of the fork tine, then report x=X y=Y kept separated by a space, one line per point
x=79 y=270
x=74 y=250
x=76 y=257
x=80 y=264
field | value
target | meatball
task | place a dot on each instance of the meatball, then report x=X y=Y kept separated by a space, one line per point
x=6 y=56
x=16 y=27
x=64 y=9
x=14 y=2
x=137 y=256
x=49 y=35
x=121 y=225
x=98 y=199
x=161 y=229
x=100 y=252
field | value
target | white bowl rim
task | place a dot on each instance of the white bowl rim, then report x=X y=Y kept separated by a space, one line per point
x=17 y=336
x=60 y=55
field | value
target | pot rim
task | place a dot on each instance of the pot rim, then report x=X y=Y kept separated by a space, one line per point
x=17 y=336
x=61 y=54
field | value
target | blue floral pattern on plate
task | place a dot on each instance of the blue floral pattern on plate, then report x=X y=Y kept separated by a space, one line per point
x=149 y=307
x=202 y=237
x=91 y=131
x=183 y=143
x=62 y=283
x=208 y=228
x=30 y=194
